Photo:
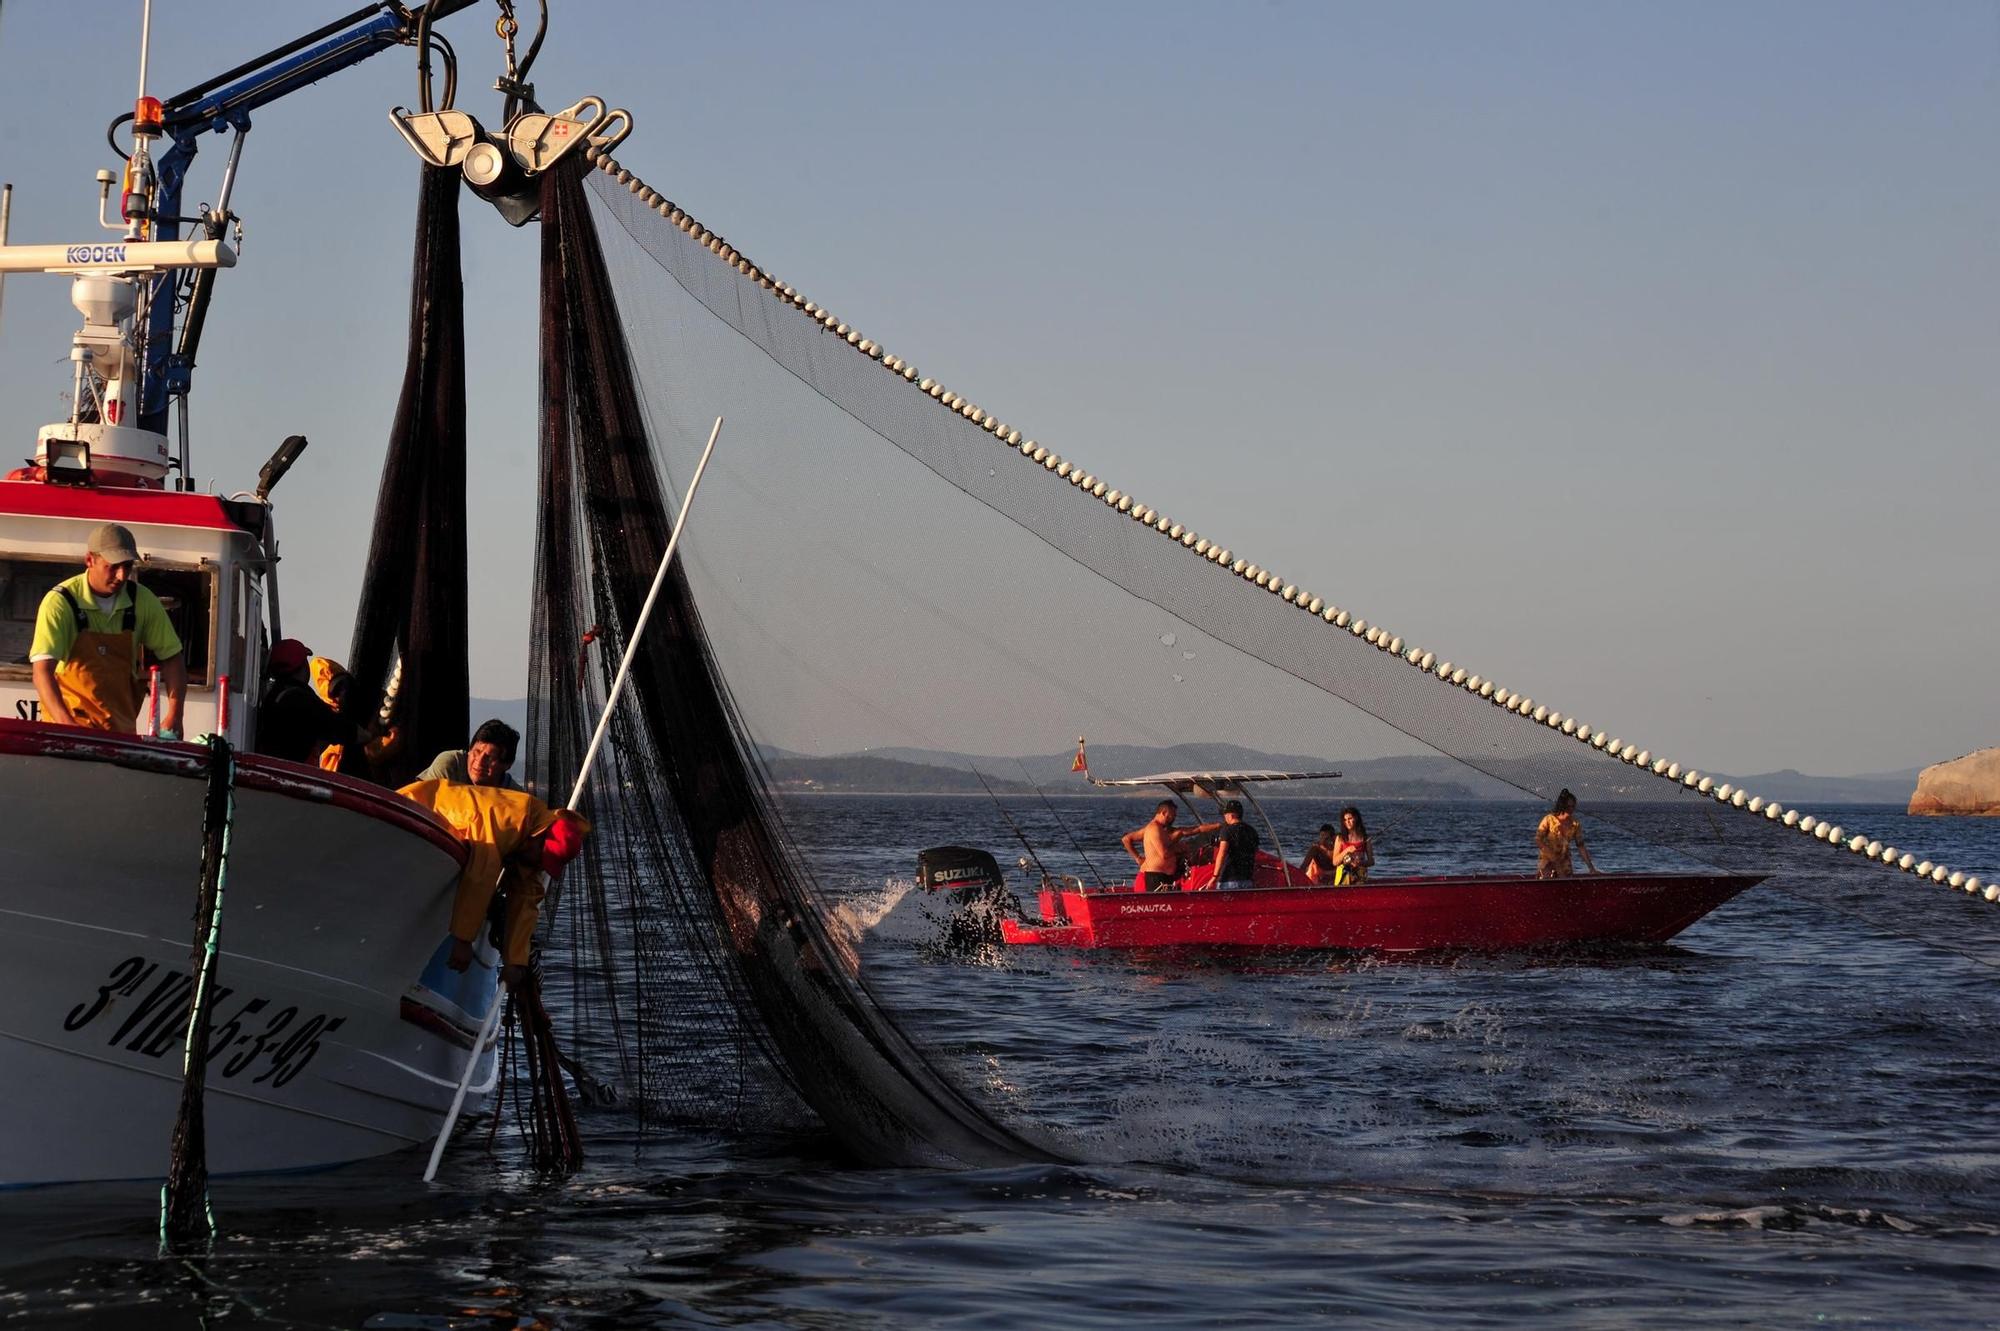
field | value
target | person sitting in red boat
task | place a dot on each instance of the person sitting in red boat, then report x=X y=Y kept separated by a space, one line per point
x=1317 y=866
x=1558 y=834
x=1235 y=850
x=91 y=636
x=1342 y=856
x=1160 y=865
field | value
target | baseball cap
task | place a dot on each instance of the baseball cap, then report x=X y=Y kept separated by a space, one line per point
x=114 y=544
x=287 y=655
x=1235 y=807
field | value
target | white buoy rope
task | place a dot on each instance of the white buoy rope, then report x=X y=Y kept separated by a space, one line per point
x=1446 y=672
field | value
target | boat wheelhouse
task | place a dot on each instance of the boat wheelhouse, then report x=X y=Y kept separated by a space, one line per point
x=210 y=561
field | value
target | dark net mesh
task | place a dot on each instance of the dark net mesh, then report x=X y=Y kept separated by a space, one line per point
x=410 y=627
x=725 y=955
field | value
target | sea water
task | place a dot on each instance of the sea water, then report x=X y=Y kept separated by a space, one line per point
x=1786 y=1116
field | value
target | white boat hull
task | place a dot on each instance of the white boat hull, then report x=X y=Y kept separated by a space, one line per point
x=337 y=1032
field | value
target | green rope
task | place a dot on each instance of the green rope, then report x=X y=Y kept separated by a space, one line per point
x=222 y=771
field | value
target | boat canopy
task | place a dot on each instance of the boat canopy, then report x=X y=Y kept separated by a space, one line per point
x=1209 y=783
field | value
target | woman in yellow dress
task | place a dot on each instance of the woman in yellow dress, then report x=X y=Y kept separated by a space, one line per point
x=1558 y=834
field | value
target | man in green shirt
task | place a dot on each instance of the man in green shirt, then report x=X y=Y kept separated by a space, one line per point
x=89 y=634
x=483 y=763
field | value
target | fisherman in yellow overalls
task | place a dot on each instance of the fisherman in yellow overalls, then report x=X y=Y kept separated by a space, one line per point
x=512 y=839
x=89 y=634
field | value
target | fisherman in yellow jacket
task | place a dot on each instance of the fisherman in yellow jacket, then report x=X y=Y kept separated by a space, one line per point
x=513 y=840
x=378 y=743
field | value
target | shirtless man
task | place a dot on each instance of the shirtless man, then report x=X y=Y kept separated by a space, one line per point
x=1160 y=865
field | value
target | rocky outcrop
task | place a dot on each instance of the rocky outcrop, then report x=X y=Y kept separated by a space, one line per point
x=1968 y=785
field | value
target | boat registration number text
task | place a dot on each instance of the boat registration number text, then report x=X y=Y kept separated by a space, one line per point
x=275 y=1044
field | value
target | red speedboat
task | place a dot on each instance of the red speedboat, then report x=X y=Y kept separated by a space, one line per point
x=1437 y=913
x=1469 y=912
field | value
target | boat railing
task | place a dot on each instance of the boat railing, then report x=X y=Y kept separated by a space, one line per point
x=1277 y=847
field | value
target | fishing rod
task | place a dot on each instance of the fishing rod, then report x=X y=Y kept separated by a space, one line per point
x=6 y=209
x=1060 y=823
x=1012 y=826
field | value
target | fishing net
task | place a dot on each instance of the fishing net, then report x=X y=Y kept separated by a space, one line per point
x=696 y=860
x=409 y=649
x=891 y=616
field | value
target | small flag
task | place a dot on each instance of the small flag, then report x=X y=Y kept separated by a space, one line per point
x=1081 y=764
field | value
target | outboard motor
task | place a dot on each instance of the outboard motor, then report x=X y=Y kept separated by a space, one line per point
x=947 y=868
x=979 y=895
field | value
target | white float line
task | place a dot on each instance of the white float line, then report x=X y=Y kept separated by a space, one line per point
x=1222 y=556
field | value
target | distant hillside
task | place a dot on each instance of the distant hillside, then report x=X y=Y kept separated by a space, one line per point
x=910 y=771
x=1425 y=778
x=868 y=774
x=1793 y=787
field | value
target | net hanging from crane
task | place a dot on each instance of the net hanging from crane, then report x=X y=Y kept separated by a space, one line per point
x=410 y=636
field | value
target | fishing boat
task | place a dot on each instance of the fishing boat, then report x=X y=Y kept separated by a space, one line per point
x=1427 y=913
x=337 y=1031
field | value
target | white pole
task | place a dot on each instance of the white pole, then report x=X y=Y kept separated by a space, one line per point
x=583 y=773
x=6 y=212
x=1272 y=828
x=486 y=1030
x=639 y=628
x=145 y=44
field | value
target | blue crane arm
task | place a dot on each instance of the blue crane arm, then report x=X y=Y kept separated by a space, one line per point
x=225 y=103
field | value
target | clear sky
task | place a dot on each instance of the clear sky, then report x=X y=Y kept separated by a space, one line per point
x=1646 y=358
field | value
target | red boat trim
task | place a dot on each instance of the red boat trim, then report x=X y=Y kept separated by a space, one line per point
x=254 y=771
x=437 y=1023
x=166 y=508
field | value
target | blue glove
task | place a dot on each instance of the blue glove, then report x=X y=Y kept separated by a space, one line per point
x=170 y=736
